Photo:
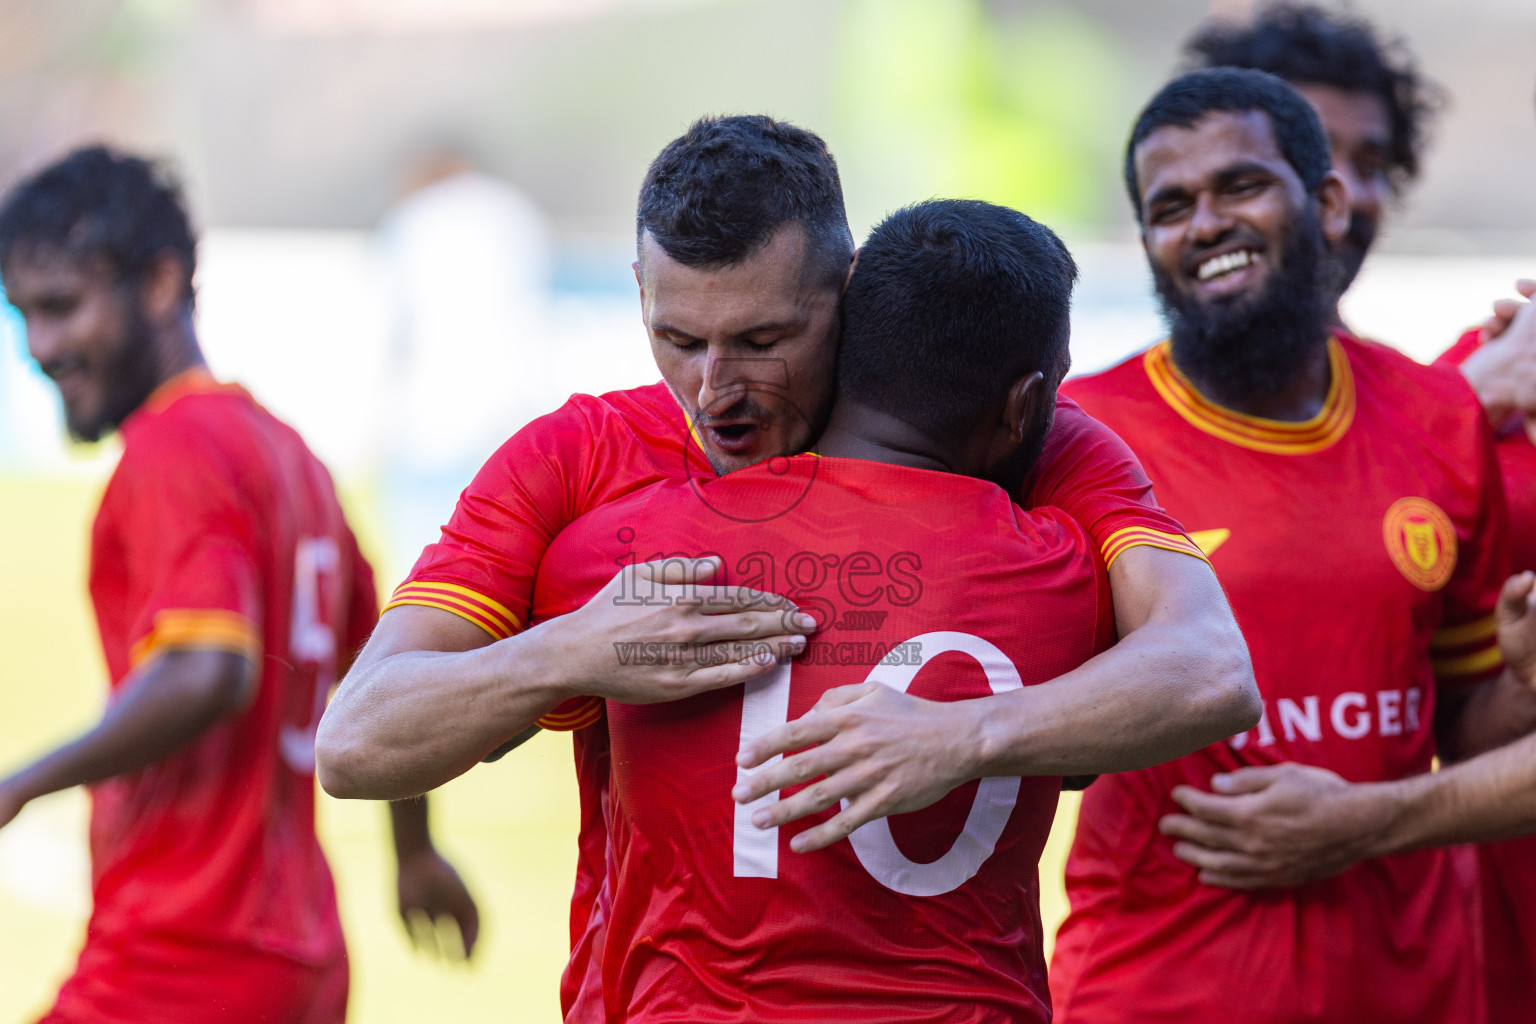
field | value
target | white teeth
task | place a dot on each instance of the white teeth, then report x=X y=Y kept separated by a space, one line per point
x=1223 y=264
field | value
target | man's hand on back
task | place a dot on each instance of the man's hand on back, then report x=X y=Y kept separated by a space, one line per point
x=884 y=751
x=657 y=633
x=1516 y=615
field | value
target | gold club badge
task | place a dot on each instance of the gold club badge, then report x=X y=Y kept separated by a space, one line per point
x=1421 y=541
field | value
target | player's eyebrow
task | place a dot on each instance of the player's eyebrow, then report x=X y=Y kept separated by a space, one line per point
x=1221 y=178
x=762 y=328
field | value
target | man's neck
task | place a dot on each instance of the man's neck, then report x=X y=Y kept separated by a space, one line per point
x=1297 y=400
x=176 y=351
x=856 y=431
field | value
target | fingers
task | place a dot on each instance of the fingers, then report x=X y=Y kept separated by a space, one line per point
x=678 y=571
x=1526 y=286
x=1245 y=780
x=1224 y=869
x=715 y=627
x=1202 y=833
x=722 y=665
x=423 y=933
x=809 y=730
x=467 y=916
x=859 y=812
x=1210 y=807
x=1517 y=597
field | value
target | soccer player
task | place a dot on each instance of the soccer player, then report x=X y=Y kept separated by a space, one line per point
x=1350 y=501
x=743 y=253
x=1374 y=106
x=229 y=593
x=899 y=531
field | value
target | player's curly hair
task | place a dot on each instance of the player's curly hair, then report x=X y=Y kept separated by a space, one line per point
x=1305 y=44
x=718 y=192
x=98 y=203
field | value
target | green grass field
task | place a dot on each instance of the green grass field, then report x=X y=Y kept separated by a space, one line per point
x=509 y=827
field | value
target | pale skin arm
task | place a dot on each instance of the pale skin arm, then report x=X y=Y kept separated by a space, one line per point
x=1283 y=825
x=1178 y=680
x=174 y=699
x=432 y=694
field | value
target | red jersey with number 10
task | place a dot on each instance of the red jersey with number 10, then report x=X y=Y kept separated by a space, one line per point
x=926 y=582
x=1363 y=552
x=219 y=529
x=594 y=450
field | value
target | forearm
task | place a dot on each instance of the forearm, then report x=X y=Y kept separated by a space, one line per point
x=1160 y=693
x=175 y=700
x=407 y=723
x=1490 y=797
x=1495 y=713
x=409 y=825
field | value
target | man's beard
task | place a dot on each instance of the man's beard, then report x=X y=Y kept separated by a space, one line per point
x=1254 y=346
x=1349 y=255
x=130 y=374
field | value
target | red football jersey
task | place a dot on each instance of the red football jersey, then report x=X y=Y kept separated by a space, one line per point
x=594 y=450
x=1363 y=552
x=220 y=529
x=1508 y=875
x=925 y=581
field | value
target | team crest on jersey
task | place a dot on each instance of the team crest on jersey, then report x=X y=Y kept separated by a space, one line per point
x=1421 y=541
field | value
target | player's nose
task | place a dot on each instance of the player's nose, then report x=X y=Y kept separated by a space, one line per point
x=1208 y=222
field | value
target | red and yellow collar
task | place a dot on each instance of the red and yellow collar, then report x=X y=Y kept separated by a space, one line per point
x=1277 y=437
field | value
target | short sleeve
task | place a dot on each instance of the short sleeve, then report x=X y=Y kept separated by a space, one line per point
x=1465 y=649
x=482 y=568
x=1087 y=471
x=188 y=545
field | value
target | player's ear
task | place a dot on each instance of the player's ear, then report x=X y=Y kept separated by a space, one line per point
x=164 y=287
x=1024 y=397
x=1333 y=207
x=853 y=265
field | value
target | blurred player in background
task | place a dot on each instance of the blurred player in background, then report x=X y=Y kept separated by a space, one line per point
x=900 y=533
x=1349 y=498
x=1374 y=105
x=229 y=594
x=744 y=250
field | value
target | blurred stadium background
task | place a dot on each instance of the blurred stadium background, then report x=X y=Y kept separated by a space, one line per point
x=417 y=225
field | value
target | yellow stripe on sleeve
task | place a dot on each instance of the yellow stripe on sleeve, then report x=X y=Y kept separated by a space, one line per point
x=198 y=627
x=1477 y=663
x=1122 y=541
x=1467 y=633
x=579 y=717
x=488 y=614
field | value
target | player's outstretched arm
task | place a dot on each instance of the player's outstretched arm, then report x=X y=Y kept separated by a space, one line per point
x=431 y=695
x=1178 y=680
x=173 y=699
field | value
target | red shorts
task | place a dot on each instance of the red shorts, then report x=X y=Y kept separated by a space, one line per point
x=176 y=983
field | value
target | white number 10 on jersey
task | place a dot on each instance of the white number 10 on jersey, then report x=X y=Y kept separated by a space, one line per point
x=766 y=706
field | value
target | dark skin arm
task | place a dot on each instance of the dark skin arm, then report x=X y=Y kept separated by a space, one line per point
x=171 y=701
x=1179 y=679
x=1283 y=825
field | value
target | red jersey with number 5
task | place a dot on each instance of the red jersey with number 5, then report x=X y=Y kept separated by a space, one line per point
x=926 y=582
x=219 y=529
x=1362 y=551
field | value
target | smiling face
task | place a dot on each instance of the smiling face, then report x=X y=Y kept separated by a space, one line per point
x=88 y=332
x=1360 y=141
x=1219 y=202
x=748 y=350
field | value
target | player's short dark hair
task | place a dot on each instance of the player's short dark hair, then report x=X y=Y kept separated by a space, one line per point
x=1188 y=99
x=97 y=203
x=952 y=301
x=1306 y=44
x=718 y=192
